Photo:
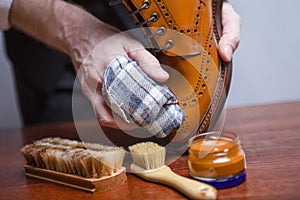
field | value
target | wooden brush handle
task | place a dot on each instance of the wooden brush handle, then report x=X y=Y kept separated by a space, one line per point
x=191 y=188
x=102 y=184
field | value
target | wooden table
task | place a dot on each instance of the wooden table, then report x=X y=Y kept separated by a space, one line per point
x=270 y=136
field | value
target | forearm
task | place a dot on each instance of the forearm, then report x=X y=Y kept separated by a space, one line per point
x=61 y=25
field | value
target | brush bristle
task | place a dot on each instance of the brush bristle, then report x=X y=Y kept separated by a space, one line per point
x=70 y=156
x=148 y=155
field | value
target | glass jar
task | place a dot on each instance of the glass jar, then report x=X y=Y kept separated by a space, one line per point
x=217 y=158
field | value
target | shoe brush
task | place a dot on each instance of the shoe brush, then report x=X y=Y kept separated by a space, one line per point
x=86 y=166
x=149 y=163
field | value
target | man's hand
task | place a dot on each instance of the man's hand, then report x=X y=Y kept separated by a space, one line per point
x=72 y=30
x=93 y=66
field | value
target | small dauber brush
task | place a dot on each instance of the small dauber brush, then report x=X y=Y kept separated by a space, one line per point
x=149 y=163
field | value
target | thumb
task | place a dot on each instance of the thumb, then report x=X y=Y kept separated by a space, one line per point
x=230 y=39
x=149 y=64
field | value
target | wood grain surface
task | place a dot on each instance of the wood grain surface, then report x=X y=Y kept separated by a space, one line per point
x=269 y=134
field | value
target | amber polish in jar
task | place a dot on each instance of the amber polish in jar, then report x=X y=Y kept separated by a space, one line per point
x=217 y=158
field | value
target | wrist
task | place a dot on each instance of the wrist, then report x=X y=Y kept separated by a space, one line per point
x=81 y=32
x=80 y=38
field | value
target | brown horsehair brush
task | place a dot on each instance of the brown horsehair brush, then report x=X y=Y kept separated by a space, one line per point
x=86 y=166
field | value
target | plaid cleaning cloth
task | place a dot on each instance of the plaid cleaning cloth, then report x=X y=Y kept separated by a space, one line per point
x=137 y=98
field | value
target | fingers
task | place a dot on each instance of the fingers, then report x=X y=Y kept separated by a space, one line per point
x=93 y=68
x=148 y=63
x=106 y=118
x=91 y=87
x=230 y=39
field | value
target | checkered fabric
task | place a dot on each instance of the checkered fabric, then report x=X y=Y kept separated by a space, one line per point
x=137 y=98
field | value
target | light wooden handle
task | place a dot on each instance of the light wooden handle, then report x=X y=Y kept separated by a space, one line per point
x=191 y=188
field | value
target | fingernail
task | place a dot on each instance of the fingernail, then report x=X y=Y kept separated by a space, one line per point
x=228 y=52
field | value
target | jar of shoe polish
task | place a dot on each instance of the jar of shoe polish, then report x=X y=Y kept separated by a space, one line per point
x=217 y=158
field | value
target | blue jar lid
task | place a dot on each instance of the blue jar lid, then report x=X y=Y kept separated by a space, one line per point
x=225 y=183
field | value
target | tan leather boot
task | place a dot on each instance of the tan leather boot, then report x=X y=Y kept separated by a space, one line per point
x=184 y=36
